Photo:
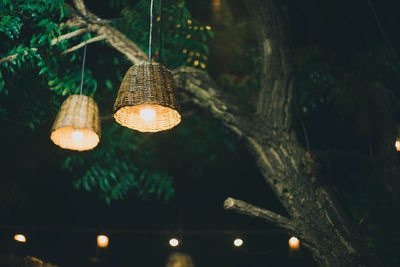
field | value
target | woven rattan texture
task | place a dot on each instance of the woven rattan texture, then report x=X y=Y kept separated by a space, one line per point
x=78 y=112
x=147 y=85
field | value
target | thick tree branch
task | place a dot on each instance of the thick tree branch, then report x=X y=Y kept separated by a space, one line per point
x=206 y=94
x=254 y=211
x=275 y=96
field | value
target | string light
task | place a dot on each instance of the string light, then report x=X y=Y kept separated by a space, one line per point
x=238 y=242
x=173 y=242
x=20 y=238
x=294 y=243
x=397 y=145
x=102 y=241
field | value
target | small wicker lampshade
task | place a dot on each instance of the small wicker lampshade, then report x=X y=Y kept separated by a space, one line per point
x=146 y=100
x=77 y=125
x=179 y=260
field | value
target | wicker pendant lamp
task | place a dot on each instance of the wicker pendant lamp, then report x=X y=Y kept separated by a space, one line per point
x=77 y=125
x=147 y=100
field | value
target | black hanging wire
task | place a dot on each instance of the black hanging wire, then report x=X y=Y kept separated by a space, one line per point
x=83 y=61
x=160 y=33
x=380 y=27
x=151 y=27
x=84 y=56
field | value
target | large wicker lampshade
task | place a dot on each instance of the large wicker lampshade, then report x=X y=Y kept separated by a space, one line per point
x=146 y=100
x=77 y=125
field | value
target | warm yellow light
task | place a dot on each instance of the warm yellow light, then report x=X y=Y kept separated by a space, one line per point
x=20 y=238
x=238 y=242
x=189 y=21
x=294 y=243
x=102 y=241
x=202 y=65
x=397 y=145
x=196 y=62
x=147 y=114
x=173 y=242
x=184 y=51
x=188 y=36
x=77 y=136
x=208 y=27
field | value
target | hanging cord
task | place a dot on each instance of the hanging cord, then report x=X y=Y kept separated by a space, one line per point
x=161 y=33
x=305 y=135
x=84 y=53
x=151 y=28
x=83 y=61
x=380 y=27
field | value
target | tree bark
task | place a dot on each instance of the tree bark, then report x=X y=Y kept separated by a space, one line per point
x=314 y=216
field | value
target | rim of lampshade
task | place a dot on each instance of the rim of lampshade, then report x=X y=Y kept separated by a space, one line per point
x=130 y=116
x=62 y=137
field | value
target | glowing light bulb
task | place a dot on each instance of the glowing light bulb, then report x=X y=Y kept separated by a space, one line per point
x=397 y=145
x=173 y=242
x=238 y=242
x=77 y=136
x=294 y=243
x=102 y=241
x=147 y=114
x=20 y=238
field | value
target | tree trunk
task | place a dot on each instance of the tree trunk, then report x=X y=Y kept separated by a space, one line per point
x=314 y=216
